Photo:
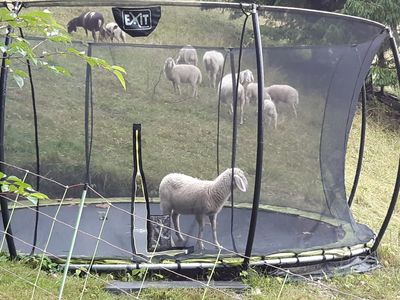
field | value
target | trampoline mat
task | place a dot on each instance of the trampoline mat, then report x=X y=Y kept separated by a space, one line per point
x=276 y=232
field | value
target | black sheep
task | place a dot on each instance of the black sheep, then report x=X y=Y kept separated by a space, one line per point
x=90 y=21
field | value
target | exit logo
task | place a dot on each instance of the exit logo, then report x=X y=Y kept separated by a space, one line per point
x=137 y=19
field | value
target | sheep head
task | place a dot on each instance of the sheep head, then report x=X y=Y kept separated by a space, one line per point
x=71 y=26
x=169 y=63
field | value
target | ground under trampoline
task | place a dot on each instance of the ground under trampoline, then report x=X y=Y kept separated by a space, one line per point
x=276 y=232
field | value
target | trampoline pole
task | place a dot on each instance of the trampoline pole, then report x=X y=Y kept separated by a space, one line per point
x=260 y=136
x=362 y=145
x=88 y=117
x=3 y=201
x=71 y=249
x=397 y=184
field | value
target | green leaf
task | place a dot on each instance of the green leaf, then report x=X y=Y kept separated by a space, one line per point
x=21 y=73
x=121 y=78
x=19 y=80
x=2 y=175
x=39 y=196
x=118 y=68
x=14 y=178
x=33 y=200
x=4 y=188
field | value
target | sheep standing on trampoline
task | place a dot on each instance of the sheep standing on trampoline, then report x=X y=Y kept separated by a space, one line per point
x=182 y=194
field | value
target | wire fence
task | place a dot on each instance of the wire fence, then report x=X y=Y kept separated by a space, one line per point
x=33 y=278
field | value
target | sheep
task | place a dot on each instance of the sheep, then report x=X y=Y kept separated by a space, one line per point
x=269 y=106
x=246 y=77
x=91 y=21
x=213 y=63
x=182 y=74
x=112 y=31
x=270 y=112
x=285 y=94
x=187 y=55
x=182 y=194
x=225 y=86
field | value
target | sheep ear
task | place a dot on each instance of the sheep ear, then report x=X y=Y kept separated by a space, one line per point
x=240 y=182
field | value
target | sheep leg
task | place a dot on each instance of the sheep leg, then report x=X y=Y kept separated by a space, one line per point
x=242 y=103
x=213 y=221
x=200 y=220
x=94 y=36
x=175 y=219
x=179 y=89
x=294 y=110
x=214 y=79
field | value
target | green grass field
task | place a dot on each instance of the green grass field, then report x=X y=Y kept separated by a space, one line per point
x=179 y=135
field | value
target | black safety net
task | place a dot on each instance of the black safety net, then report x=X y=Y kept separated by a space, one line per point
x=314 y=67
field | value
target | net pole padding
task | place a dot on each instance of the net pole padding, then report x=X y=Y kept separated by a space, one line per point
x=68 y=261
x=273 y=262
x=134 y=187
x=260 y=136
x=143 y=178
x=3 y=95
x=362 y=145
x=396 y=189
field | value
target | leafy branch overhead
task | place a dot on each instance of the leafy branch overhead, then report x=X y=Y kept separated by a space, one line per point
x=42 y=24
x=14 y=185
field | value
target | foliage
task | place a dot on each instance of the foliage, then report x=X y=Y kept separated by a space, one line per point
x=43 y=24
x=386 y=12
x=14 y=185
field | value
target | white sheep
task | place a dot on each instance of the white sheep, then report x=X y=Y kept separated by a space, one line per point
x=213 y=63
x=182 y=74
x=246 y=77
x=182 y=194
x=112 y=31
x=187 y=55
x=225 y=86
x=285 y=94
x=270 y=112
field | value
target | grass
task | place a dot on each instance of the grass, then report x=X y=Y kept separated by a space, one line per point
x=179 y=134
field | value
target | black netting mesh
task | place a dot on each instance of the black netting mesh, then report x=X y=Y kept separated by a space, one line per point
x=324 y=57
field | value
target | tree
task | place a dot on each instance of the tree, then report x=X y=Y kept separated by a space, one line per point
x=43 y=24
x=387 y=12
x=326 y=5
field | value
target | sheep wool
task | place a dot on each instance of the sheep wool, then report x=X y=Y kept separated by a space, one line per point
x=213 y=63
x=182 y=74
x=183 y=194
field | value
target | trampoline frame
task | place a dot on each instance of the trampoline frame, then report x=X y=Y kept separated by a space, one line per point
x=256 y=29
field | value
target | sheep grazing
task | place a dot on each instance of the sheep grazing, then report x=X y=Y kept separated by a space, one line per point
x=285 y=94
x=269 y=106
x=246 y=77
x=182 y=194
x=182 y=74
x=187 y=55
x=112 y=31
x=226 y=89
x=90 y=21
x=213 y=63
x=270 y=112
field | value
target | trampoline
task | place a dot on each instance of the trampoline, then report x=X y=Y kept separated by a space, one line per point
x=296 y=211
